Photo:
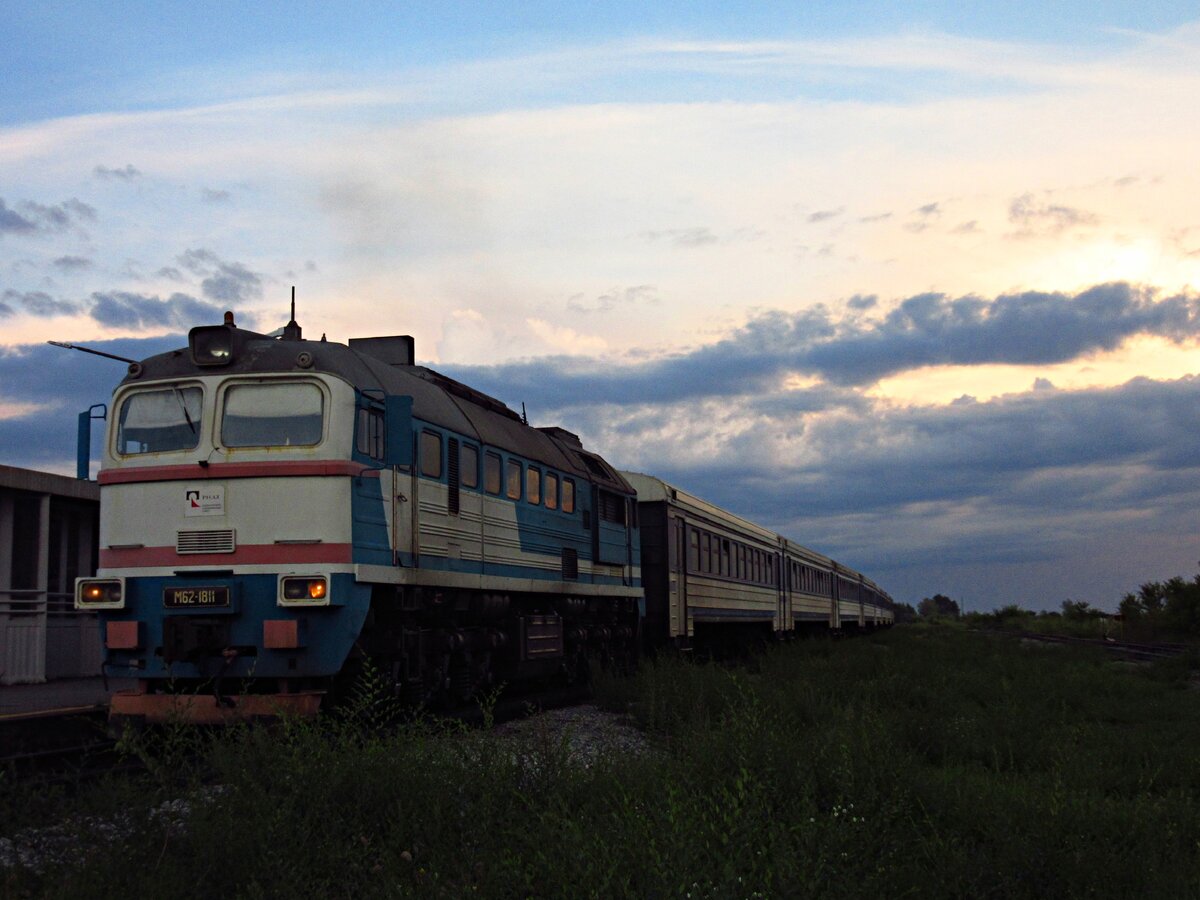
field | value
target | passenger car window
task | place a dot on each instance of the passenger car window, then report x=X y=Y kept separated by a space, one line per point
x=160 y=421
x=551 y=491
x=533 y=485
x=568 y=496
x=272 y=415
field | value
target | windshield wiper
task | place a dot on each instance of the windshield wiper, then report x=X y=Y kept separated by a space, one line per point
x=183 y=406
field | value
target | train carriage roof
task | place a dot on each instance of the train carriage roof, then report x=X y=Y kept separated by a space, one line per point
x=372 y=366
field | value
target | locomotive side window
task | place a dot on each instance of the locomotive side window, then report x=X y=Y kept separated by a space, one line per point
x=568 y=497
x=370 y=433
x=272 y=415
x=693 y=563
x=431 y=454
x=491 y=473
x=513 y=479
x=470 y=466
x=160 y=421
x=533 y=485
x=551 y=491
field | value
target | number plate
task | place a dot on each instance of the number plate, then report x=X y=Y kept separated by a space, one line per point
x=195 y=597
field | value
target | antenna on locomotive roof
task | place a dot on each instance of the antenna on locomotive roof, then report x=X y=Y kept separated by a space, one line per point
x=65 y=346
x=524 y=418
x=291 y=331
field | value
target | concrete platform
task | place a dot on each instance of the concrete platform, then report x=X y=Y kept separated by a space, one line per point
x=58 y=697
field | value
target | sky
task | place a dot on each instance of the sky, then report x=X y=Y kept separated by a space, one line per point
x=917 y=285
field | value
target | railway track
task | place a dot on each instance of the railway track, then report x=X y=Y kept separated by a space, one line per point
x=56 y=746
x=1128 y=649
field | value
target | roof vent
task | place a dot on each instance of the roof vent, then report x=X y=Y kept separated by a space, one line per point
x=561 y=434
x=397 y=350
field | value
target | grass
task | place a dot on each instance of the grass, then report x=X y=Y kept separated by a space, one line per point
x=925 y=762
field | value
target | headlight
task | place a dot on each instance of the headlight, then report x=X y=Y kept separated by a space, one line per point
x=212 y=345
x=100 y=593
x=309 y=590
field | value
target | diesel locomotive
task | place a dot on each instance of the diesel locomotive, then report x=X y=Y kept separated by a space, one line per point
x=277 y=511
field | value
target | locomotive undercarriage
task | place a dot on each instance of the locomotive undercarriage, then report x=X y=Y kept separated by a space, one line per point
x=440 y=648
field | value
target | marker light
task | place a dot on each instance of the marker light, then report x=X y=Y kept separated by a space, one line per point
x=107 y=593
x=313 y=589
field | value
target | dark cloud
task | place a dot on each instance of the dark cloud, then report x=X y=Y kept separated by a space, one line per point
x=209 y=195
x=73 y=263
x=127 y=173
x=923 y=330
x=170 y=272
x=824 y=215
x=41 y=304
x=29 y=218
x=929 y=209
x=5 y=310
x=1033 y=217
x=60 y=384
x=971 y=227
x=119 y=309
x=863 y=301
x=683 y=237
x=1045 y=475
x=881 y=217
x=12 y=222
x=227 y=282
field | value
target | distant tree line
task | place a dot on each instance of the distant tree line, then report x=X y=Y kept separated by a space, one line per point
x=937 y=606
x=1157 y=609
x=1172 y=605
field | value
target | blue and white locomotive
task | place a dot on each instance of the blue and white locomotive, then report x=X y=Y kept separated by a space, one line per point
x=274 y=510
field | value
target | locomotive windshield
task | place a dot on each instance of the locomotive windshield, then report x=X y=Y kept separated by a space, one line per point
x=272 y=415
x=160 y=421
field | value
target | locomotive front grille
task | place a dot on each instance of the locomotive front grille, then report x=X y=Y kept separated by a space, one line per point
x=220 y=540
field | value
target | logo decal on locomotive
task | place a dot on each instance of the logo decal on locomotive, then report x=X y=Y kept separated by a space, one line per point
x=204 y=501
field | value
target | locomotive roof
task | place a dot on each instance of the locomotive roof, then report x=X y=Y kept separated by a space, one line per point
x=437 y=399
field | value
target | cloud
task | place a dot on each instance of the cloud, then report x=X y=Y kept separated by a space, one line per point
x=638 y=294
x=119 y=309
x=209 y=195
x=1032 y=217
x=923 y=330
x=41 y=304
x=5 y=310
x=127 y=173
x=683 y=237
x=227 y=282
x=58 y=384
x=823 y=215
x=1041 y=475
x=863 y=301
x=971 y=227
x=29 y=218
x=73 y=263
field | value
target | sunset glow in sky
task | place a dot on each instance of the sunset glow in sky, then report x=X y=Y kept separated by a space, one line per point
x=916 y=286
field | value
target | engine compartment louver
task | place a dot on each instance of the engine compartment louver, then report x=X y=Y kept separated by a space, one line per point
x=221 y=540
